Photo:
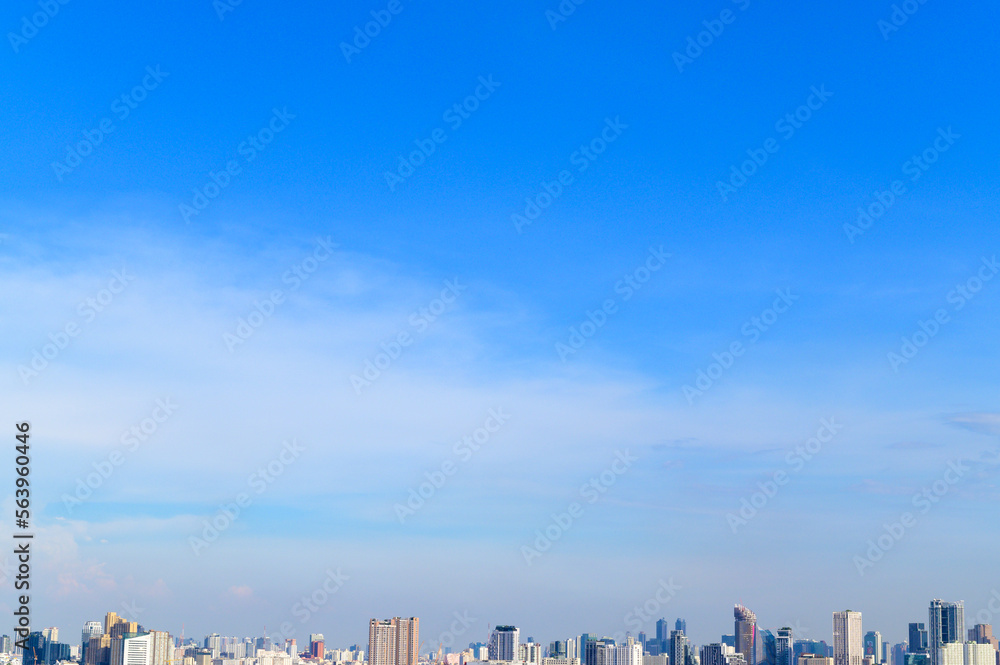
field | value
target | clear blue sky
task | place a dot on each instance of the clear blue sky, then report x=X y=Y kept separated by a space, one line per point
x=328 y=129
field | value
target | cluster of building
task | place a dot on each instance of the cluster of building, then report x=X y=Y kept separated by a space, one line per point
x=942 y=640
x=117 y=641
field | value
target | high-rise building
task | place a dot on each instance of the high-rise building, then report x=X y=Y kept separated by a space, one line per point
x=918 y=639
x=681 y=625
x=163 y=647
x=979 y=654
x=557 y=649
x=137 y=650
x=680 y=648
x=6 y=645
x=90 y=629
x=982 y=633
x=873 y=644
x=110 y=619
x=764 y=649
x=597 y=650
x=316 y=645
x=713 y=654
x=571 y=649
x=629 y=653
x=529 y=652
x=393 y=641
x=949 y=653
x=813 y=659
x=663 y=635
x=945 y=625
x=407 y=640
x=848 y=646
x=99 y=650
x=784 y=647
x=899 y=653
x=503 y=645
x=746 y=634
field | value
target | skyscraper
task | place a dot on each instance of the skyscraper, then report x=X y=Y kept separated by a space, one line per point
x=90 y=629
x=982 y=633
x=979 y=654
x=873 y=644
x=393 y=641
x=529 y=652
x=848 y=646
x=663 y=635
x=504 y=641
x=681 y=625
x=316 y=645
x=713 y=654
x=918 y=639
x=945 y=625
x=899 y=651
x=134 y=651
x=764 y=649
x=679 y=648
x=784 y=647
x=746 y=634
x=596 y=652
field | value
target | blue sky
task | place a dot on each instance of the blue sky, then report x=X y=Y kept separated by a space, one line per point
x=334 y=129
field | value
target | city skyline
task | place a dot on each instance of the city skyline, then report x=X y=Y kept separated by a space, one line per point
x=392 y=633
